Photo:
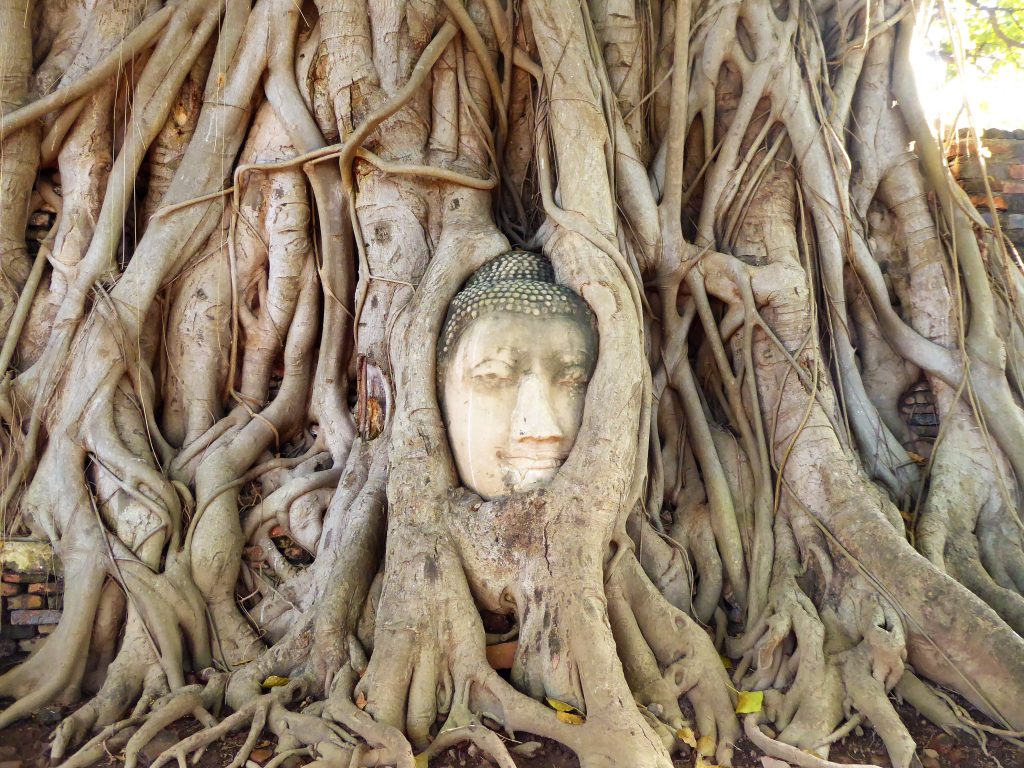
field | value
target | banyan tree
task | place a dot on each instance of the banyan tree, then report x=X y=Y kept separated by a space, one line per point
x=584 y=328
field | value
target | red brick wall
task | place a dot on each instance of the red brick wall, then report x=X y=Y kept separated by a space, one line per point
x=31 y=592
x=1003 y=154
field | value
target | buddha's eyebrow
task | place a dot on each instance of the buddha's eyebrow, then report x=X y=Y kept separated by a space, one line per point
x=502 y=354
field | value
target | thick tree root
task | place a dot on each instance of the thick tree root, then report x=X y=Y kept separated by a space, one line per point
x=253 y=345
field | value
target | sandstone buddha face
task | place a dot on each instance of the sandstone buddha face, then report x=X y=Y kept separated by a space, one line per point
x=514 y=378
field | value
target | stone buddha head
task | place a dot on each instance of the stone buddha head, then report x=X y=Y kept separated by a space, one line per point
x=515 y=355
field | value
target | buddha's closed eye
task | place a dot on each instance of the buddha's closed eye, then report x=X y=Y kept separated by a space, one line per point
x=492 y=371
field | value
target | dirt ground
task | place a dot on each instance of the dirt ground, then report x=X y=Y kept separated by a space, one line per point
x=26 y=745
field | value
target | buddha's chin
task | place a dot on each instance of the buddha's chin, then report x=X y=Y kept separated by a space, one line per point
x=529 y=478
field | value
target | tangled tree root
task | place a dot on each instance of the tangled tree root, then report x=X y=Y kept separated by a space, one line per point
x=228 y=338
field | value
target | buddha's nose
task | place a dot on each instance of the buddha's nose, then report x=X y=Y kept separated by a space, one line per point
x=534 y=417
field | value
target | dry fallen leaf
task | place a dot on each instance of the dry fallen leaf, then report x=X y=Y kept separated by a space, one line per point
x=570 y=717
x=706 y=746
x=361 y=700
x=685 y=735
x=560 y=706
x=749 y=702
x=274 y=681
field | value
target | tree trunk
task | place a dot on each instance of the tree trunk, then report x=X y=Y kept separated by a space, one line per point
x=220 y=396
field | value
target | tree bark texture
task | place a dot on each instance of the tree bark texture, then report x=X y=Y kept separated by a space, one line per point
x=219 y=398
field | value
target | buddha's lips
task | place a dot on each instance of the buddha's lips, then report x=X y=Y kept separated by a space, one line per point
x=533 y=462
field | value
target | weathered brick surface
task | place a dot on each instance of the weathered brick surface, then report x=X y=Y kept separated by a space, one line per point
x=16 y=632
x=46 y=588
x=32 y=588
x=34 y=618
x=26 y=601
x=24 y=578
x=999 y=159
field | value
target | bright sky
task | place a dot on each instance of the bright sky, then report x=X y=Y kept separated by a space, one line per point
x=995 y=100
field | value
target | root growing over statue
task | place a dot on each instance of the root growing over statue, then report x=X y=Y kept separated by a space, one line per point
x=219 y=397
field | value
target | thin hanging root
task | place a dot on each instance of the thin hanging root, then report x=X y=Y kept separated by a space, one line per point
x=927 y=702
x=791 y=754
x=138 y=40
x=103 y=744
x=486 y=740
x=197 y=742
x=188 y=701
x=255 y=729
x=117 y=734
x=279 y=759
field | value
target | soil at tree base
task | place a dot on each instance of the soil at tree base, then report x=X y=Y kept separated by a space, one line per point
x=26 y=745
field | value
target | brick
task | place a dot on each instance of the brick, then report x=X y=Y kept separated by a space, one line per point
x=975 y=187
x=24 y=578
x=1015 y=171
x=969 y=168
x=34 y=618
x=46 y=588
x=1012 y=187
x=982 y=200
x=25 y=602
x=1004 y=148
x=11 y=632
x=7 y=590
x=46 y=629
x=501 y=655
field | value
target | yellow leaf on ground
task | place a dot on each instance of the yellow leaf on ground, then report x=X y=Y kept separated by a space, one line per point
x=570 y=718
x=749 y=702
x=361 y=700
x=560 y=706
x=274 y=681
x=726 y=662
x=685 y=735
x=420 y=760
x=701 y=763
x=706 y=746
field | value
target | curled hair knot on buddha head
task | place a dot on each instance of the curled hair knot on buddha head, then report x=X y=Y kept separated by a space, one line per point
x=520 y=282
